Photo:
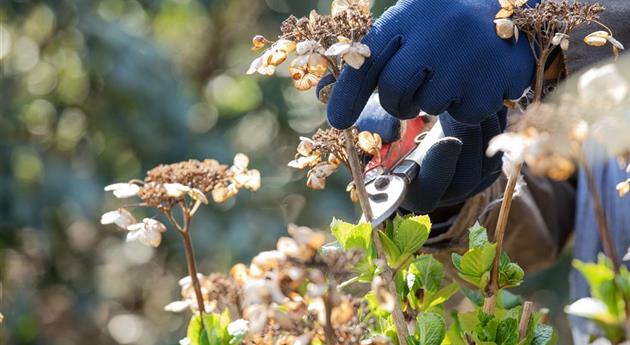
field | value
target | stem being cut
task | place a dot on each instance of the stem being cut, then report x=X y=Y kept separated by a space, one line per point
x=388 y=275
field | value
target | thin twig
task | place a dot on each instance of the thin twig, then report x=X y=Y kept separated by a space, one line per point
x=355 y=169
x=604 y=233
x=528 y=309
x=499 y=234
x=184 y=231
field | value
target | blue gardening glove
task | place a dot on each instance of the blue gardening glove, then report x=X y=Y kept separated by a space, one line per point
x=436 y=56
x=455 y=168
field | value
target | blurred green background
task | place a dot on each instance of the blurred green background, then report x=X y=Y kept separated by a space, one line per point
x=94 y=92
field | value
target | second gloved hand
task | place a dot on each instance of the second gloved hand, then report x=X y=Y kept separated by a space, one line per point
x=455 y=167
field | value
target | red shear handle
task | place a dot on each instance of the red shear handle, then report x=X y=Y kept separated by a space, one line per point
x=393 y=153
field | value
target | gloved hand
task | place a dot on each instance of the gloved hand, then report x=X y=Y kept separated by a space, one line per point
x=455 y=168
x=435 y=56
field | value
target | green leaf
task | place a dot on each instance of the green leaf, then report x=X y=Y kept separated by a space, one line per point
x=543 y=335
x=391 y=249
x=457 y=261
x=473 y=295
x=507 y=332
x=428 y=272
x=438 y=298
x=411 y=233
x=477 y=261
x=508 y=300
x=510 y=275
x=477 y=236
x=431 y=329
x=352 y=236
x=195 y=332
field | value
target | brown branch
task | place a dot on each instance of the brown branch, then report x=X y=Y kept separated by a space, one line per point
x=499 y=234
x=528 y=309
x=357 y=175
x=604 y=233
x=190 y=257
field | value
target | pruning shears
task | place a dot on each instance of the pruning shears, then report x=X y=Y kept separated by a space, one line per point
x=388 y=176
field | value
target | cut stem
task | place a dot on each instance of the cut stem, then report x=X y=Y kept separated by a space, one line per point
x=388 y=275
x=528 y=309
x=499 y=234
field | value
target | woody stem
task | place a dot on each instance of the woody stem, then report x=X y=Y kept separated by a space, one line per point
x=190 y=259
x=499 y=234
x=388 y=274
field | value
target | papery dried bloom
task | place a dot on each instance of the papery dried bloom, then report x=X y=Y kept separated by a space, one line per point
x=259 y=42
x=306 y=236
x=167 y=185
x=505 y=28
x=623 y=188
x=121 y=217
x=370 y=142
x=597 y=38
x=269 y=259
x=340 y=6
x=123 y=190
x=149 y=232
x=272 y=57
x=307 y=70
x=508 y=6
x=384 y=298
x=316 y=177
x=218 y=292
x=353 y=53
x=238 y=328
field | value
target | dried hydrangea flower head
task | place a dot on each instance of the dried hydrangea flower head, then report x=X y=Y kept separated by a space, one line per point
x=551 y=137
x=325 y=152
x=551 y=22
x=322 y=44
x=184 y=184
x=283 y=295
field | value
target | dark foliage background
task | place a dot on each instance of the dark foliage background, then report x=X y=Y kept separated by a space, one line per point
x=99 y=91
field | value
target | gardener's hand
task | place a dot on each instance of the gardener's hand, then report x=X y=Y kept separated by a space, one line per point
x=455 y=168
x=435 y=56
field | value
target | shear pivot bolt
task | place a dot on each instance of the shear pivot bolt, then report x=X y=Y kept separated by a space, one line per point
x=381 y=183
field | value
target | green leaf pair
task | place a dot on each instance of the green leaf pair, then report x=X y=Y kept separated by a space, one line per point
x=475 y=266
x=351 y=236
x=403 y=237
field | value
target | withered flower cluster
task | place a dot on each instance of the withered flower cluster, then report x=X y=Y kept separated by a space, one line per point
x=550 y=23
x=322 y=43
x=550 y=137
x=287 y=295
x=184 y=184
x=207 y=176
x=325 y=152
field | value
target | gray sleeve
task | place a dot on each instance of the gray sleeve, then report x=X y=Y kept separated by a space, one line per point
x=617 y=16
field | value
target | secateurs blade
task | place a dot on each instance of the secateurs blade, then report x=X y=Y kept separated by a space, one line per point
x=387 y=187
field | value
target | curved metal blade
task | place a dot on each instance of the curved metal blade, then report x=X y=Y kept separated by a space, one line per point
x=385 y=195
